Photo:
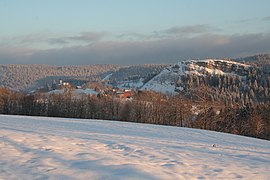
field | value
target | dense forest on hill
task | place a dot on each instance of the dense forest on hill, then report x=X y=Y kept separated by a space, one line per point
x=23 y=77
x=231 y=89
x=227 y=81
x=261 y=60
x=20 y=77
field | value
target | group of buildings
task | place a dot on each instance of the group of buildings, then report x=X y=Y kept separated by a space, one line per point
x=62 y=86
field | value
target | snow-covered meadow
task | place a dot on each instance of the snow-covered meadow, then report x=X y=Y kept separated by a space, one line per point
x=58 y=148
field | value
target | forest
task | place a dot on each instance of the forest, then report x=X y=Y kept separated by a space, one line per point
x=30 y=77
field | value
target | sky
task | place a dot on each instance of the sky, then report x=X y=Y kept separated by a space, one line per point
x=85 y=32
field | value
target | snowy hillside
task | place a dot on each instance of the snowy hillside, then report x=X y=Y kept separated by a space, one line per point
x=133 y=76
x=166 y=81
x=54 y=148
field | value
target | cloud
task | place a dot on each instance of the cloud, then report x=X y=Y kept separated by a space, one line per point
x=172 y=32
x=85 y=37
x=252 y=20
x=132 y=36
x=24 y=40
x=57 y=41
x=245 y=21
x=88 y=36
x=48 y=39
x=30 y=38
x=168 y=50
x=195 y=29
x=16 y=55
x=267 y=18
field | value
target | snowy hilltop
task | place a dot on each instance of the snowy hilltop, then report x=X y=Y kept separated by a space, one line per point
x=170 y=81
x=58 y=148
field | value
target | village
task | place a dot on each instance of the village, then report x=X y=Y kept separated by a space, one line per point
x=97 y=89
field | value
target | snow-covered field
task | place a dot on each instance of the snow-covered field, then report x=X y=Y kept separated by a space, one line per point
x=54 y=148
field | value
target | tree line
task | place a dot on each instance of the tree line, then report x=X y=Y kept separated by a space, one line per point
x=145 y=107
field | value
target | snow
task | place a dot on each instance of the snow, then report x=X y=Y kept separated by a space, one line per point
x=165 y=81
x=196 y=69
x=86 y=91
x=75 y=91
x=58 y=148
x=56 y=91
x=130 y=83
x=107 y=77
x=222 y=60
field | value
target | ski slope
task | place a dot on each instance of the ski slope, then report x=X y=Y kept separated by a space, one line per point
x=55 y=148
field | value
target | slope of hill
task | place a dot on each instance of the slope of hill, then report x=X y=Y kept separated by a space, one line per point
x=20 y=77
x=31 y=77
x=54 y=148
x=225 y=80
x=134 y=76
x=169 y=80
x=261 y=60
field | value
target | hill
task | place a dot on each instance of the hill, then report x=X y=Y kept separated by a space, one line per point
x=58 y=148
x=22 y=77
x=134 y=76
x=261 y=60
x=224 y=80
x=31 y=77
